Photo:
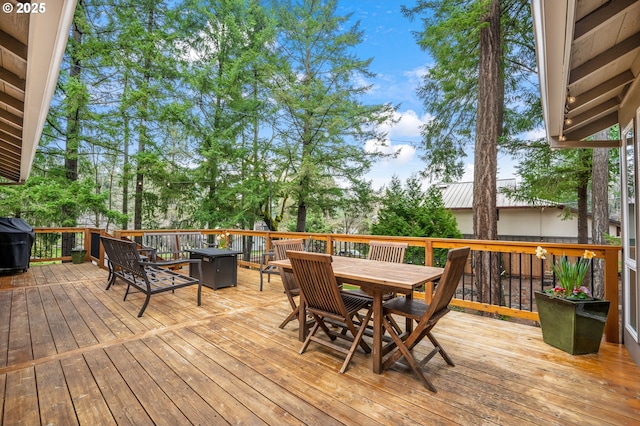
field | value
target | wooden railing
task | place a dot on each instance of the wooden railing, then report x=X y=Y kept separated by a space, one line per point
x=56 y=244
x=521 y=272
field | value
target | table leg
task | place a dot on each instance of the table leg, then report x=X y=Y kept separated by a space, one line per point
x=377 y=331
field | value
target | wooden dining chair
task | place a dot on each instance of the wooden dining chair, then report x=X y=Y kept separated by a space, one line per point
x=327 y=305
x=384 y=251
x=291 y=290
x=387 y=251
x=426 y=316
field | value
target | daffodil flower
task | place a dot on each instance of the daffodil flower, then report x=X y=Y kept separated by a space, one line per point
x=541 y=253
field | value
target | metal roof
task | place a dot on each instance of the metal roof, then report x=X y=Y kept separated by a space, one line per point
x=459 y=195
x=31 y=49
x=588 y=59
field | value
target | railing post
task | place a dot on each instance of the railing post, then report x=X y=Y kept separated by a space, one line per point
x=428 y=261
x=267 y=242
x=102 y=264
x=329 y=248
x=428 y=252
x=612 y=326
x=87 y=244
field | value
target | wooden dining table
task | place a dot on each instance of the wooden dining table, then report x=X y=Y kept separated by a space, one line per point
x=376 y=279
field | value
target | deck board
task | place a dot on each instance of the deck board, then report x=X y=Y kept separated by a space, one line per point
x=19 y=335
x=191 y=403
x=55 y=405
x=21 y=398
x=154 y=400
x=87 y=398
x=122 y=403
x=60 y=329
x=5 y=318
x=72 y=352
x=215 y=375
x=41 y=338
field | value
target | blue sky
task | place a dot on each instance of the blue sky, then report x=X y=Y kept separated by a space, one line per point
x=399 y=63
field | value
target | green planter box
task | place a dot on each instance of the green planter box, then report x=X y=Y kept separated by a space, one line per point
x=78 y=255
x=575 y=326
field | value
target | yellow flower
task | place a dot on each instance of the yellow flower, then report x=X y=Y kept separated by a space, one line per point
x=541 y=253
x=588 y=254
x=223 y=242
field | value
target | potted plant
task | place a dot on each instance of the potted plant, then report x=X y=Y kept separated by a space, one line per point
x=570 y=317
x=223 y=242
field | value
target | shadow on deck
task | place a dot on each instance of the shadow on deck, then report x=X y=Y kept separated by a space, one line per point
x=73 y=353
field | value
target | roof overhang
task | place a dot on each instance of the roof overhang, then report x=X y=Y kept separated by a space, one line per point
x=31 y=50
x=588 y=55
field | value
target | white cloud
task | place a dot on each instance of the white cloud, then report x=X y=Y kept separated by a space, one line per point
x=402 y=153
x=467 y=176
x=534 y=135
x=402 y=134
x=405 y=124
x=417 y=73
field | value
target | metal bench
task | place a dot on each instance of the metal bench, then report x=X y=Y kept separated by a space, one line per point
x=125 y=262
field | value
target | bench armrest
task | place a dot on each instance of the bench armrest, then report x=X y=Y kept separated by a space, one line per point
x=165 y=263
x=150 y=252
x=170 y=262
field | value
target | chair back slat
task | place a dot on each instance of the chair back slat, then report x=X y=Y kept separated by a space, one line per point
x=280 y=247
x=318 y=284
x=387 y=251
x=124 y=254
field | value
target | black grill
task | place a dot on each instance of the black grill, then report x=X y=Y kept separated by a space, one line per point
x=16 y=239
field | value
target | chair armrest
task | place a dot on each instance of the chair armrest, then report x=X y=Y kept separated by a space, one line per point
x=264 y=263
x=266 y=257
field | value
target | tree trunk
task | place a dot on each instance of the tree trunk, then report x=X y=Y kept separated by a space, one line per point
x=583 y=192
x=126 y=167
x=599 y=209
x=72 y=143
x=142 y=140
x=488 y=130
x=301 y=222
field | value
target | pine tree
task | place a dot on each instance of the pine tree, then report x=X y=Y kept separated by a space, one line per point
x=322 y=123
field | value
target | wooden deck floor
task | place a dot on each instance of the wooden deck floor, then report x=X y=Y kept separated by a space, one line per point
x=73 y=353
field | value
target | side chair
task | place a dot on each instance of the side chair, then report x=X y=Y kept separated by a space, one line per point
x=291 y=290
x=266 y=268
x=384 y=251
x=328 y=305
x=387 y=251
x=426 y=316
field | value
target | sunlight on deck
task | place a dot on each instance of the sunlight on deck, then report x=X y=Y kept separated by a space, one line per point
x=73 y=353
